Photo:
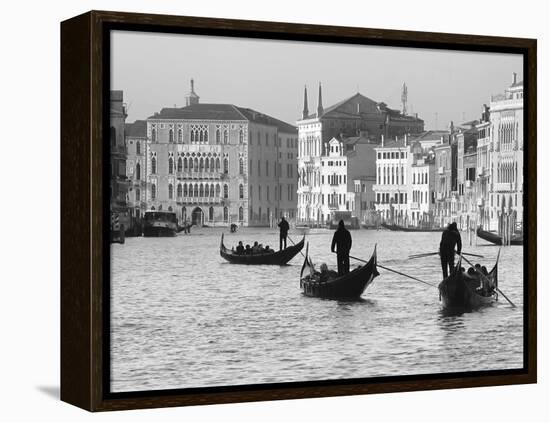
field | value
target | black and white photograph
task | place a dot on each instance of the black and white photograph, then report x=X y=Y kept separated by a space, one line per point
x=296 y=211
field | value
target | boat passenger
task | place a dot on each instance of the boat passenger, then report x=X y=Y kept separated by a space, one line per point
x=342 y=240
x=256 y=248
x=240 y=248
x=247 y=249
x=450 y=239
x=484 y=270
x=268 y=250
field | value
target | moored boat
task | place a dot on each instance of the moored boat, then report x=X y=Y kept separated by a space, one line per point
x=461 y=291
x=347 y=287
x=410 y=228
x=494 y=238
x=276 y=258
x=159 y=223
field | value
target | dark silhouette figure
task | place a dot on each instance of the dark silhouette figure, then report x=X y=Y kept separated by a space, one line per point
x=283 y=232
x=450 y=239
x=342 y=241
x=240 y=248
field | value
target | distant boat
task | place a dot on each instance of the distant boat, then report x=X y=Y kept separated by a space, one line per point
x=347 y=287
x=159 y=223
x=410 y=228
x=493 y=237
x=277 y=258
x=460 y=291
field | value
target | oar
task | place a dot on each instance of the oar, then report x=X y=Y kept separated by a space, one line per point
x=415 y=256
x=394 y=271
x=483 y=276
x=295 y=244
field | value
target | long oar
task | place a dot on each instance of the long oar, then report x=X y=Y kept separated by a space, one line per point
x=415 y=256
x=395 y=271
x=484 y=277
x=295 y=244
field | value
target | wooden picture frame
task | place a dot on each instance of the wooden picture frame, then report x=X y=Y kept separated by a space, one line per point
x=84 y=267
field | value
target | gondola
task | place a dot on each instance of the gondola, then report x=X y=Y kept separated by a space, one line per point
x=277 y=258
x=347 y=287
x=409 y=229
x=494 y=238
x=460 y=291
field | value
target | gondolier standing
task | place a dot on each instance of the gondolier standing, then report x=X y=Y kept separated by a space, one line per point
x=342 y=240
x=450 y=239
x=283 y=232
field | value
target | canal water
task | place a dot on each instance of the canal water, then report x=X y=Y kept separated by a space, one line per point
x=182 y=317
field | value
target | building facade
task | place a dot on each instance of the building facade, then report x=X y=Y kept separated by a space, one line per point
x=506 y=160
x=136 y=168
x=118 y=182
x=216 y=164
x=349 y=118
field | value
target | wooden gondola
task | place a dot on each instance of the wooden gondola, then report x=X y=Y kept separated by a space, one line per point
x=494 y=238
x=460 y=291
x=277 y=258
x=409 y=229
x=347 y=287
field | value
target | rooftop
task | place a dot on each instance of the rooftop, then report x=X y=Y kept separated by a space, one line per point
x=138 y=129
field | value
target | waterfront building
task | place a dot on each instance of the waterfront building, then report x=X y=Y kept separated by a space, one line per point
x=393 y=165
x=421 y=194
x=351 y=117
x=466 y=144
x=506 y=160
x=446 y=194
x=136 y=168
x=333 y=185
x=483 y=168
x=118 y=182
x=217 y=164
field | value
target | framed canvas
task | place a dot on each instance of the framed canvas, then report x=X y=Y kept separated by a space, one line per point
x=256 y=211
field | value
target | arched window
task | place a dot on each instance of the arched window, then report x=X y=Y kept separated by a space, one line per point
x=206 y=164
x=138 y=148
x=225 y=191
x=196 y=164
x=241 y=137
x=205 y=135
x=185 y=190
x=193 y=135
x=206 y=189
x=201 y=136
x=138 y=194
x=154 y=165
x=154 y=135
x=187 y=164
x=180 y=190
x=241 y=191
x=218 y=164
x=180 y=164
x=196 y=190
x=217 y=190
x=225 y=165
x=241 y=214
x=225 y=214
x=225 y=136
x=211 y=190
x=170 y=135
x=171 y=165
x=241 y=166
x=201 y=164
x=211 y=213
x=170 y=191
x=218 y=136
x=138 y=172
x=180 y=135
x=153 y=192
x=212 y=164
x=201 y=190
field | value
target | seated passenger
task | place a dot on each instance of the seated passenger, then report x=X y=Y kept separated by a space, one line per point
x=256 y=248
x=471 y=272
x=484 y=270
x=268 y=250
x=247 y=249
x=240 y=248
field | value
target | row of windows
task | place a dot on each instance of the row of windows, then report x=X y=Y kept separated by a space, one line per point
x=195 y=190
x=396 y=198
x=390 y=175
x=196 y=165
x=420 y=178
x=392 y=155
x=334 y=163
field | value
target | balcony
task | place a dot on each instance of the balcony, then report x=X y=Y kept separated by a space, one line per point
x=200 y=200
x=201 y=175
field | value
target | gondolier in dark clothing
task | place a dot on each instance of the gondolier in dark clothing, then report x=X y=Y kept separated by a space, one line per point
x=450 y=240
x=283 y=232
x=342 y=241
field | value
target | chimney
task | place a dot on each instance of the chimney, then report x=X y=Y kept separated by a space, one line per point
x=515 y=78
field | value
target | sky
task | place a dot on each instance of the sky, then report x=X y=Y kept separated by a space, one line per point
x=154 y=71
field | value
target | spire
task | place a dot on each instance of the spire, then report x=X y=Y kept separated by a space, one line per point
x=404 y=93
x=192 y=97
x=320 y=103
x=305 y=112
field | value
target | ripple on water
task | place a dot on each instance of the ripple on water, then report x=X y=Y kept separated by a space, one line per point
x=182 y=317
